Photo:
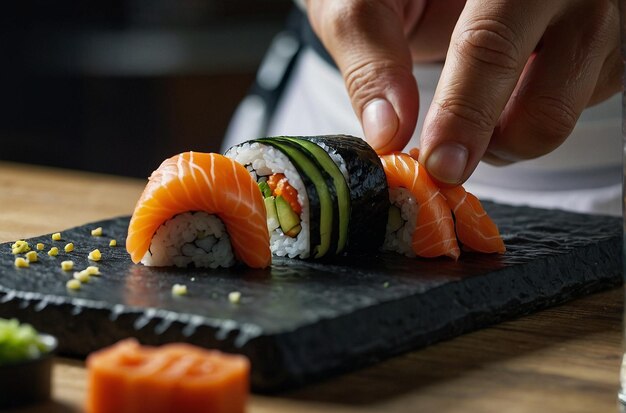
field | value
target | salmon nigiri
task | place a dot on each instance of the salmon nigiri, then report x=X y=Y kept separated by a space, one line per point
x=131 y=378
x=422 y=217
x=196 y=209
x=474 y=228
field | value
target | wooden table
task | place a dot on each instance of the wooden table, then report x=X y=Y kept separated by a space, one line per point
x=564 y=359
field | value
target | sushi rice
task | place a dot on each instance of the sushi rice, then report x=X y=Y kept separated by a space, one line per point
x=196 y=238
x=400 y=241
x=264 y=160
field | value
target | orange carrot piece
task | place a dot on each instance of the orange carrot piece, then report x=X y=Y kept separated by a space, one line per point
x=175 y=378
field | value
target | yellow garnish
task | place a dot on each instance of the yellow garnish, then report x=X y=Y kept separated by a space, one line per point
x=234 y=297
x=40 y=246
x=95 y=255
x=82 y=276
x=92 y=270
x=73 y=284
x=54 y=251
x=20 y=262
x=31 y=256
x=69 y=247
x=67 y=265
x=179 y=289
x=113 y=243
x=56 y=236
x=97 y=232
x=19 y=247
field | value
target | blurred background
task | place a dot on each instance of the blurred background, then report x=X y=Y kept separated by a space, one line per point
x=117 y=86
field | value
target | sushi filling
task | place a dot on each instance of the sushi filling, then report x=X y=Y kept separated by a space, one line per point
x=401 y=223
x=264 y=162
x=191 y=238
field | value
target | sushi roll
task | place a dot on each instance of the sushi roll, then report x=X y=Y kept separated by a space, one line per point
x=324 y=195
x=420 y=221
x=199 y=209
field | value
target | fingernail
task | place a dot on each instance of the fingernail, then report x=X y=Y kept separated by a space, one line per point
x=380 y=123
x=447 y=162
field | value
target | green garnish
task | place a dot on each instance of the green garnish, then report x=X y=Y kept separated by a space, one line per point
x=19 y=342
x=265 y=189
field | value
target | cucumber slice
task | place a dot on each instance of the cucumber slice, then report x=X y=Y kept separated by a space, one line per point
x=287 y=218
x=265 y=189
x=306 y=167
x=272 y=214
x=340 y=184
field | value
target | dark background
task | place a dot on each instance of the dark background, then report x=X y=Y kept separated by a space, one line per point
x=118 y=86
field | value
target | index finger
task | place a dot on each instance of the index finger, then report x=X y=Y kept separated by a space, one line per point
x=490 y=45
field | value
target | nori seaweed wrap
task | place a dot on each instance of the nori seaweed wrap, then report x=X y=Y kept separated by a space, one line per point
x=324 y=195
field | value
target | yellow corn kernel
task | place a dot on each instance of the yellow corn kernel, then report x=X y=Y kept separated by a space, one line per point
x=97 y=232
x=20 y=247
x=95 y=255
x=67 y=265
x=234 y=297
x=69 y=247
x=82 y=276
x=31 y=256
x=73 y=284
x=40 y=246
x=179 y=289
x=56 y=236
x=20 y=262
x=92 y=270
x=113 y=243
x=54 y=251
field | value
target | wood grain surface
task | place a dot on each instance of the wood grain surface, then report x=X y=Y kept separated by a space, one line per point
x=565 y=359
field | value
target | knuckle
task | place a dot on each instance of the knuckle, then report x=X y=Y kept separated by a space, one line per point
x=365 y=78
x=479 y=118
x=344 y=16
x=490 y=44
x=553 y=116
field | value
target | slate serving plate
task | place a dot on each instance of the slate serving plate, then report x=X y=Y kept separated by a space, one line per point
x=300 y=321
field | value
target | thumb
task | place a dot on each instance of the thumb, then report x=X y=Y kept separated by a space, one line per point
x=367 y=41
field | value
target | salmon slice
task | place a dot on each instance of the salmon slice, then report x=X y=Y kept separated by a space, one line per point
x=209 y=182
x=474 y=228
x=174 y=378
x=434 y=231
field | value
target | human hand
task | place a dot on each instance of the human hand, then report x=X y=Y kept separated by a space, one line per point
x=500 y=95
x=374 y=44
x=517 y=76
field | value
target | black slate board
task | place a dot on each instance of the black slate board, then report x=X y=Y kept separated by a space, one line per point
x=300 y=321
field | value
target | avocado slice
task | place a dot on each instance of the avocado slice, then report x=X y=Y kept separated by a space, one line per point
x=272 y=214
x=307 y=167
x=287 y=218
x=339 y=181
x=394 y=220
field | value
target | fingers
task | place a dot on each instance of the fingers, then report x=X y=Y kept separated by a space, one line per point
x=367 y=40
x=557 y=84
x=490 y=45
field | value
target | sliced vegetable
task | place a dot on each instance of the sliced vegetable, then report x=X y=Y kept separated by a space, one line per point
x=394 y=220
x=287 y=218
x=265 y=189
x=272 y=215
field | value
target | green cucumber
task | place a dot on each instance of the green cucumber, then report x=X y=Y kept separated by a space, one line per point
x=287 y=218
x=307 y=167
x=272 y=214
x=265 y=189
x=394 y=220
x=339 y=181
